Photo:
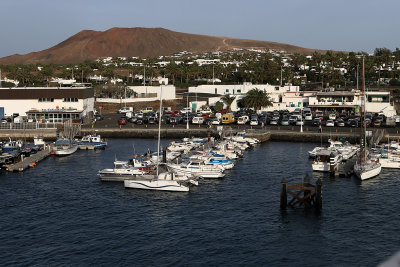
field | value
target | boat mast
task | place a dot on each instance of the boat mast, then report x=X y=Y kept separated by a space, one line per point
x=365 y=112
x=159 y=131
x=361 y=112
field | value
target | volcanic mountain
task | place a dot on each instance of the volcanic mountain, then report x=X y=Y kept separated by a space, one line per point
x=139 y=42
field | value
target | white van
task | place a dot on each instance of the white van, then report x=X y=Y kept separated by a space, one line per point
x=125 y=109
x=198 y=120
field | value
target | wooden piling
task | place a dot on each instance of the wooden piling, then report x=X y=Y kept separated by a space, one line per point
x=318 y=195
x=283 y=194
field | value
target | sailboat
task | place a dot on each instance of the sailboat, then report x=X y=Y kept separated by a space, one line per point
x=365 y=168
x=160 y=181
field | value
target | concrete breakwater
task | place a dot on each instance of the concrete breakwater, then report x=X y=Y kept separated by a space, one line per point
x=272 y=134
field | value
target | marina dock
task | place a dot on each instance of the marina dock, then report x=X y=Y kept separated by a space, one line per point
x=30 y=161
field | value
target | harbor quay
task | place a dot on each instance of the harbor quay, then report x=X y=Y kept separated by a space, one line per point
x=289 y=133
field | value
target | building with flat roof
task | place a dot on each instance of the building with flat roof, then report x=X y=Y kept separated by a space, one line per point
x=53 y=104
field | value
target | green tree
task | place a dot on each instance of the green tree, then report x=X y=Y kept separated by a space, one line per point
x=218 y=106
x=256 y=99
x=228 y=99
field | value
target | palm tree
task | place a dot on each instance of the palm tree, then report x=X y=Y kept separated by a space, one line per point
x=256 y=99
x=228 y=99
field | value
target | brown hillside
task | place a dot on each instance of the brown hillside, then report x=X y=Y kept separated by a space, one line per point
x=141 y=42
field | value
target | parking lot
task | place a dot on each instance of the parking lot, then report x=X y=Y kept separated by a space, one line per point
x=111 y=121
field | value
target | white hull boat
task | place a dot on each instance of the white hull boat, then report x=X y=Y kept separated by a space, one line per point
x=367 y=170
x=164 y=182
x=65 y=147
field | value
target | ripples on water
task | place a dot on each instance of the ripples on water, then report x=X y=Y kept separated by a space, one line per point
x=61 y=214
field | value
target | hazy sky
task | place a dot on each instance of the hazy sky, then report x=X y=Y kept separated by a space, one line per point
x=351 y=25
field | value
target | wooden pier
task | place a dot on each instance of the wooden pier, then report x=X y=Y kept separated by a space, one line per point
x=308 y=195
x=30 y=161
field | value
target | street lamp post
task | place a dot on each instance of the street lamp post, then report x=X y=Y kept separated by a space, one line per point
x=125 y=94
x=187 y=110
x=301 y=124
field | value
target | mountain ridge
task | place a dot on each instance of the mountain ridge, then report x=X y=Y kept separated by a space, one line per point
x=140 y=42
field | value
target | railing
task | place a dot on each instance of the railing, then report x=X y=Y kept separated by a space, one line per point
x=28 y=125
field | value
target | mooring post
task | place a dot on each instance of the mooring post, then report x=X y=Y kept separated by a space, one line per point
x=306 y=183
x=283 y=194
x=318 y=194
x=164 y=155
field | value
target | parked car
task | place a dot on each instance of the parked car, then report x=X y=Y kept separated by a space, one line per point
x=185 y=110
x=332 y=116
x=377 y=123
x=216 y=121
x=316 y=122
x=148 y=109
x=273 y=122
x=330 y=123
x=198 y=120
x=340 y=123
x=151 y=120
x=352 y=123
x=308 y=117
x=99 y=117
x=299 y=122
x=122 y=121
x=285 y=122
x=293 y=119
x=254 y=122
x=319 y=115
x=139 y=121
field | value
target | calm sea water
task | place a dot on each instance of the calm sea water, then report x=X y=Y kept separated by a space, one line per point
x=61 y=214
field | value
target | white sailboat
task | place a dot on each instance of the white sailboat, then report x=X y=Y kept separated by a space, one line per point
x=161 y=181
x=365 y=168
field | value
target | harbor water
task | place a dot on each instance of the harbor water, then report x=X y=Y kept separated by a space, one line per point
x=59 y=213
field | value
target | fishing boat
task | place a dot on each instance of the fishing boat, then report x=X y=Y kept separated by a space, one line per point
x=365 y=168
x=92 y=142
x=12 y=145
x=64 y=147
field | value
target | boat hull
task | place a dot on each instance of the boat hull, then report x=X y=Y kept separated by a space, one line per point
x=367 y=174
x=65 y=152
x=160 y=185
x=387 y=163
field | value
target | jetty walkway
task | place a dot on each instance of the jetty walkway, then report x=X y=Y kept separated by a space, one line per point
x=30 y=161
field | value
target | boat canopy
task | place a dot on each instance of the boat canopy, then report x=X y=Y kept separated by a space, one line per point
x=63 y=142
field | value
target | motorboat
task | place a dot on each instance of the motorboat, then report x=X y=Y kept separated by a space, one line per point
x=12 y=145
x=197 y=168
x=326 y=160
x=38 y=141
x=345 y=148
x=165 y=181
x=92 y=142
x=122 y=170
x=64 y=147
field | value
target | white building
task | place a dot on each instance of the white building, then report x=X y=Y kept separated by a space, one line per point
x=153 y=92
x=282 y=97
x=52 y=104
x=350 y=101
